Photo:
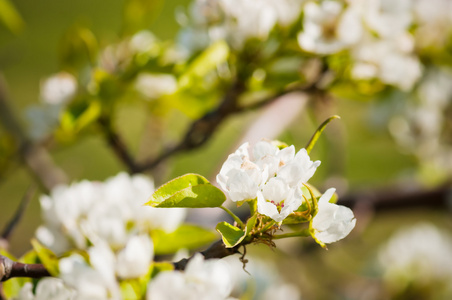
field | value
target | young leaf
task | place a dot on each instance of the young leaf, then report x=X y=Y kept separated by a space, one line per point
x=231 y=235
x=185 y=237
x=47 y=257
x=10 y=17
x=190 y=190
x=318 y=132
x=158 y=267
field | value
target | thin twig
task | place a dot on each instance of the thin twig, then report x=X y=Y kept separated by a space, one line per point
x=7 y=231
x=216 y=250
x=117 y=144
x=35 y=157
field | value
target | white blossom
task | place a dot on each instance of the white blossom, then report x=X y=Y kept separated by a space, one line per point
x=328 y=27
x=332 y=222
x=201 y=280
x=154 y=86
x=235 y=21
x=271 y=175
x=46 y=289
x=134 y=260
x=87 y=281
x=418 y=255
x=58 y=89
x=266 y=279
x=88 y=212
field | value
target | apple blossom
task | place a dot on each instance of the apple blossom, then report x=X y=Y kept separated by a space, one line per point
x=202 y=279
x=58 y=89
x=420 y=256
x=46 y=289
x=274 y=176
x=332 y=222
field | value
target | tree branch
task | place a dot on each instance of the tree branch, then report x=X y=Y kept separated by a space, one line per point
x=7 y=231
x=35 y=157
x=10 y=269
x=216 y=250
x=117 y=144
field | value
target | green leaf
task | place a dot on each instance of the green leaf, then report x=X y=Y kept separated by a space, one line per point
x=47 y=257
x=190 y=190
x=140 y=14
x=318 y=132
x=185 y=237
x=161 y=267
x=90 y=115
x=10 y=17
x=207 y=61
x=230 y=234
x=78 y=47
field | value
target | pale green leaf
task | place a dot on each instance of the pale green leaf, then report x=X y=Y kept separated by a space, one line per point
x=231 y=235
x=190 y=190
x=185 y=237
x=47 y=257
x=10 y=17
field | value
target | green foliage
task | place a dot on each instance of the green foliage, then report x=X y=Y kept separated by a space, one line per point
x=184 y=237
x=78 y=47
x=230 y=234
x=47 y=257
x=158 y=267
x=139 y=14
x=10 y=17
x=318 y=132
x=190 y=190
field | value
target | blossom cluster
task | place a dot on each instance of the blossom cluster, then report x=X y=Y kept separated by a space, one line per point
x=109 y=222
x=274 y=178
x=418 y=256
x=271 y=175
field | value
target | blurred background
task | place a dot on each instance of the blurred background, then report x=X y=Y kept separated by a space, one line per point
x=396 y=189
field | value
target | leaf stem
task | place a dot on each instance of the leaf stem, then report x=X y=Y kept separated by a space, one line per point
x=318 y=132
x=234 y=216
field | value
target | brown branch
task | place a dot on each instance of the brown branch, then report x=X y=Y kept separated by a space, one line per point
x=10 y=269
x=439 y=198
x=202 y=129
x=117 y=144
x=35 y=157
x=381 y=202
x=9 y=228
x=216 y=250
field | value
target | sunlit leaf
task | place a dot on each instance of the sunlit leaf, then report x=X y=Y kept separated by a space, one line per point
x=190 y=190
x=10 y=17
x=185 y=237
x=231 y=235
x=47 y=257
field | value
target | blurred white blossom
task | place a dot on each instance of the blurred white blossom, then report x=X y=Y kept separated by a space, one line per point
x=91 y=282
x=235 y=21
x=267 y=281
x=271 y=175
x=76 y=216
x=328 y=28
x=46 y=289
x=418 y=255
x=201 y=280
x=58 y=89
x=154 y=86
x=332 y=222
